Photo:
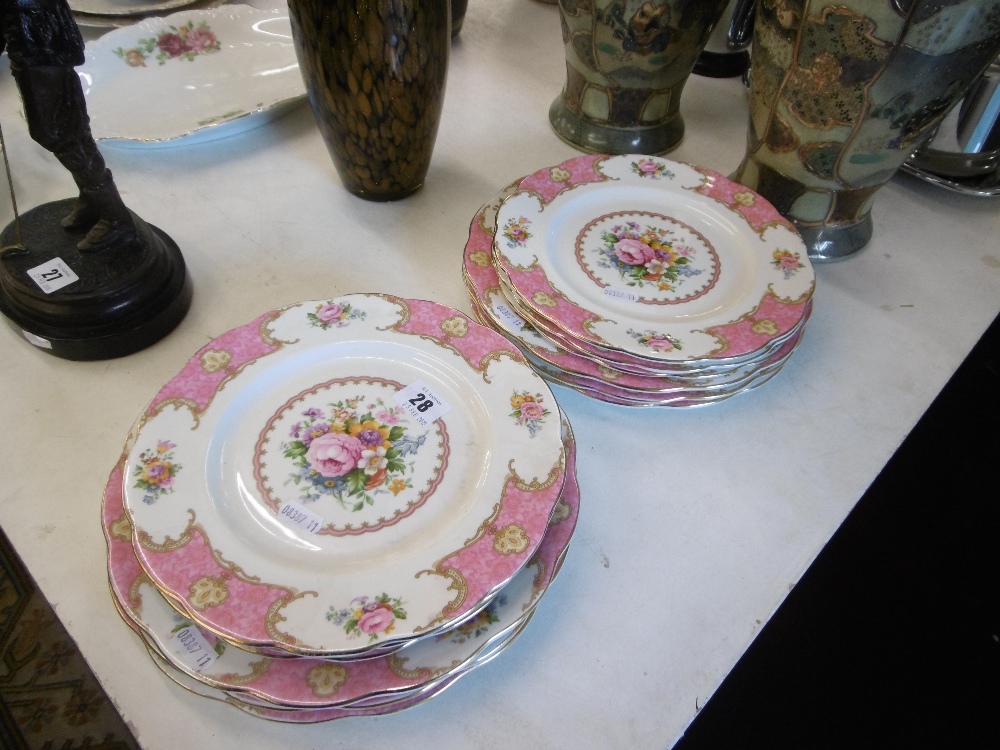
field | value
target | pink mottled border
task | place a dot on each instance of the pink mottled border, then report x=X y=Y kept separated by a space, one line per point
x=217 y=362
x=477 y=344
x=758 y=212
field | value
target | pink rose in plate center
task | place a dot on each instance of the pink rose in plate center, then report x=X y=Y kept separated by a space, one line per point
x=376 y=621
x=334 y=454
x=532 y=410
x=330 y=313
x=634 y=252
x=648 y=167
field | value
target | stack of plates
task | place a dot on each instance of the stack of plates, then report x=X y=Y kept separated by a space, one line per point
x=641 y=281
x=340 y=508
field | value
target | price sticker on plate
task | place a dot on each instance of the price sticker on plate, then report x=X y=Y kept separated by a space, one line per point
x=421 y=403
x=622 y=294
x=192 y=648
x=301 y=517
x=509 y=317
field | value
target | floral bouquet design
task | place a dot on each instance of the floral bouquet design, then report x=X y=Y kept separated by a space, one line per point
x=528 y=410
x=156 y=471
x=787 y=262
x=373 y=617
x=478 y=625
x=352 y=453
x=652 y=169
x=646 y=255
x=178 y=42
x=516 y=232
x=660 y=342
x=330 y=315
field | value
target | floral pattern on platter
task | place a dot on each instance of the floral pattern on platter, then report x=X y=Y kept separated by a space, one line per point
x=352 y=454
x=659 y=342
x=652 y=169
x=787 y=262
x=516 y=231
x=330 y=314
x=183 y=42
x=368 y=616
x=156 y=471
x=477 y=626
x=664 y=258
x=528 y=410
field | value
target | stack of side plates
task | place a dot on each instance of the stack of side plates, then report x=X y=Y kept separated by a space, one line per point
x=340 y=509
x=641 y=281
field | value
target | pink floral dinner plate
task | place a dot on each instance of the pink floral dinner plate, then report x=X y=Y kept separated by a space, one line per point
x=344 y=475
x=307 y=682
x=652 y=258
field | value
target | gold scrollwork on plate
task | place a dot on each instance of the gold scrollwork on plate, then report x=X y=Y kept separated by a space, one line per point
x=274 y=617
x=257 y=668
x=326 y=679
x=544 y=299
x=208 y=591
x=457 y=584
x=121 y=528
x=397 y=665
x=512 y=539
x=536 y=484
x=481 y=259
x=764 y=327
x=215 y=360
x=455 y=327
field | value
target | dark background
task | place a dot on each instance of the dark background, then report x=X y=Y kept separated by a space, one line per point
x=892 y=637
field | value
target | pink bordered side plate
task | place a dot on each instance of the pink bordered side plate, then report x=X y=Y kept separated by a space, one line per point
x=344 y=475
x=306 y=682
x=501 y=314
x=653 y=258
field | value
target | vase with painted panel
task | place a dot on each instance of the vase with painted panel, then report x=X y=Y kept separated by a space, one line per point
x=375 y=72
x=843 y=92
x=626 y=65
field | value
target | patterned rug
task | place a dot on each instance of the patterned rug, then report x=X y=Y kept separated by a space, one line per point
x=49 y=698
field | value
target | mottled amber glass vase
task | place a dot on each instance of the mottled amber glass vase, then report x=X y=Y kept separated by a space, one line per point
x=375 y=72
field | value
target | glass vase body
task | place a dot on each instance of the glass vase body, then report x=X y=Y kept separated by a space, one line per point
x=375 y=72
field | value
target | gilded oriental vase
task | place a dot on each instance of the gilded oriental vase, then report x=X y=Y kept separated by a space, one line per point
x=842 y=93
x=375 y=71
x=626 y=64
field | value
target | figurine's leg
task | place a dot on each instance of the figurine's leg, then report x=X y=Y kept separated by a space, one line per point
x=57 y=119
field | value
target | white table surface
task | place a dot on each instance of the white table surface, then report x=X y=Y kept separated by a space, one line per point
x=694 y=524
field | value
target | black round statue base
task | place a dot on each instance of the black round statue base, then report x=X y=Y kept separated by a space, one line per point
x=125 y=299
